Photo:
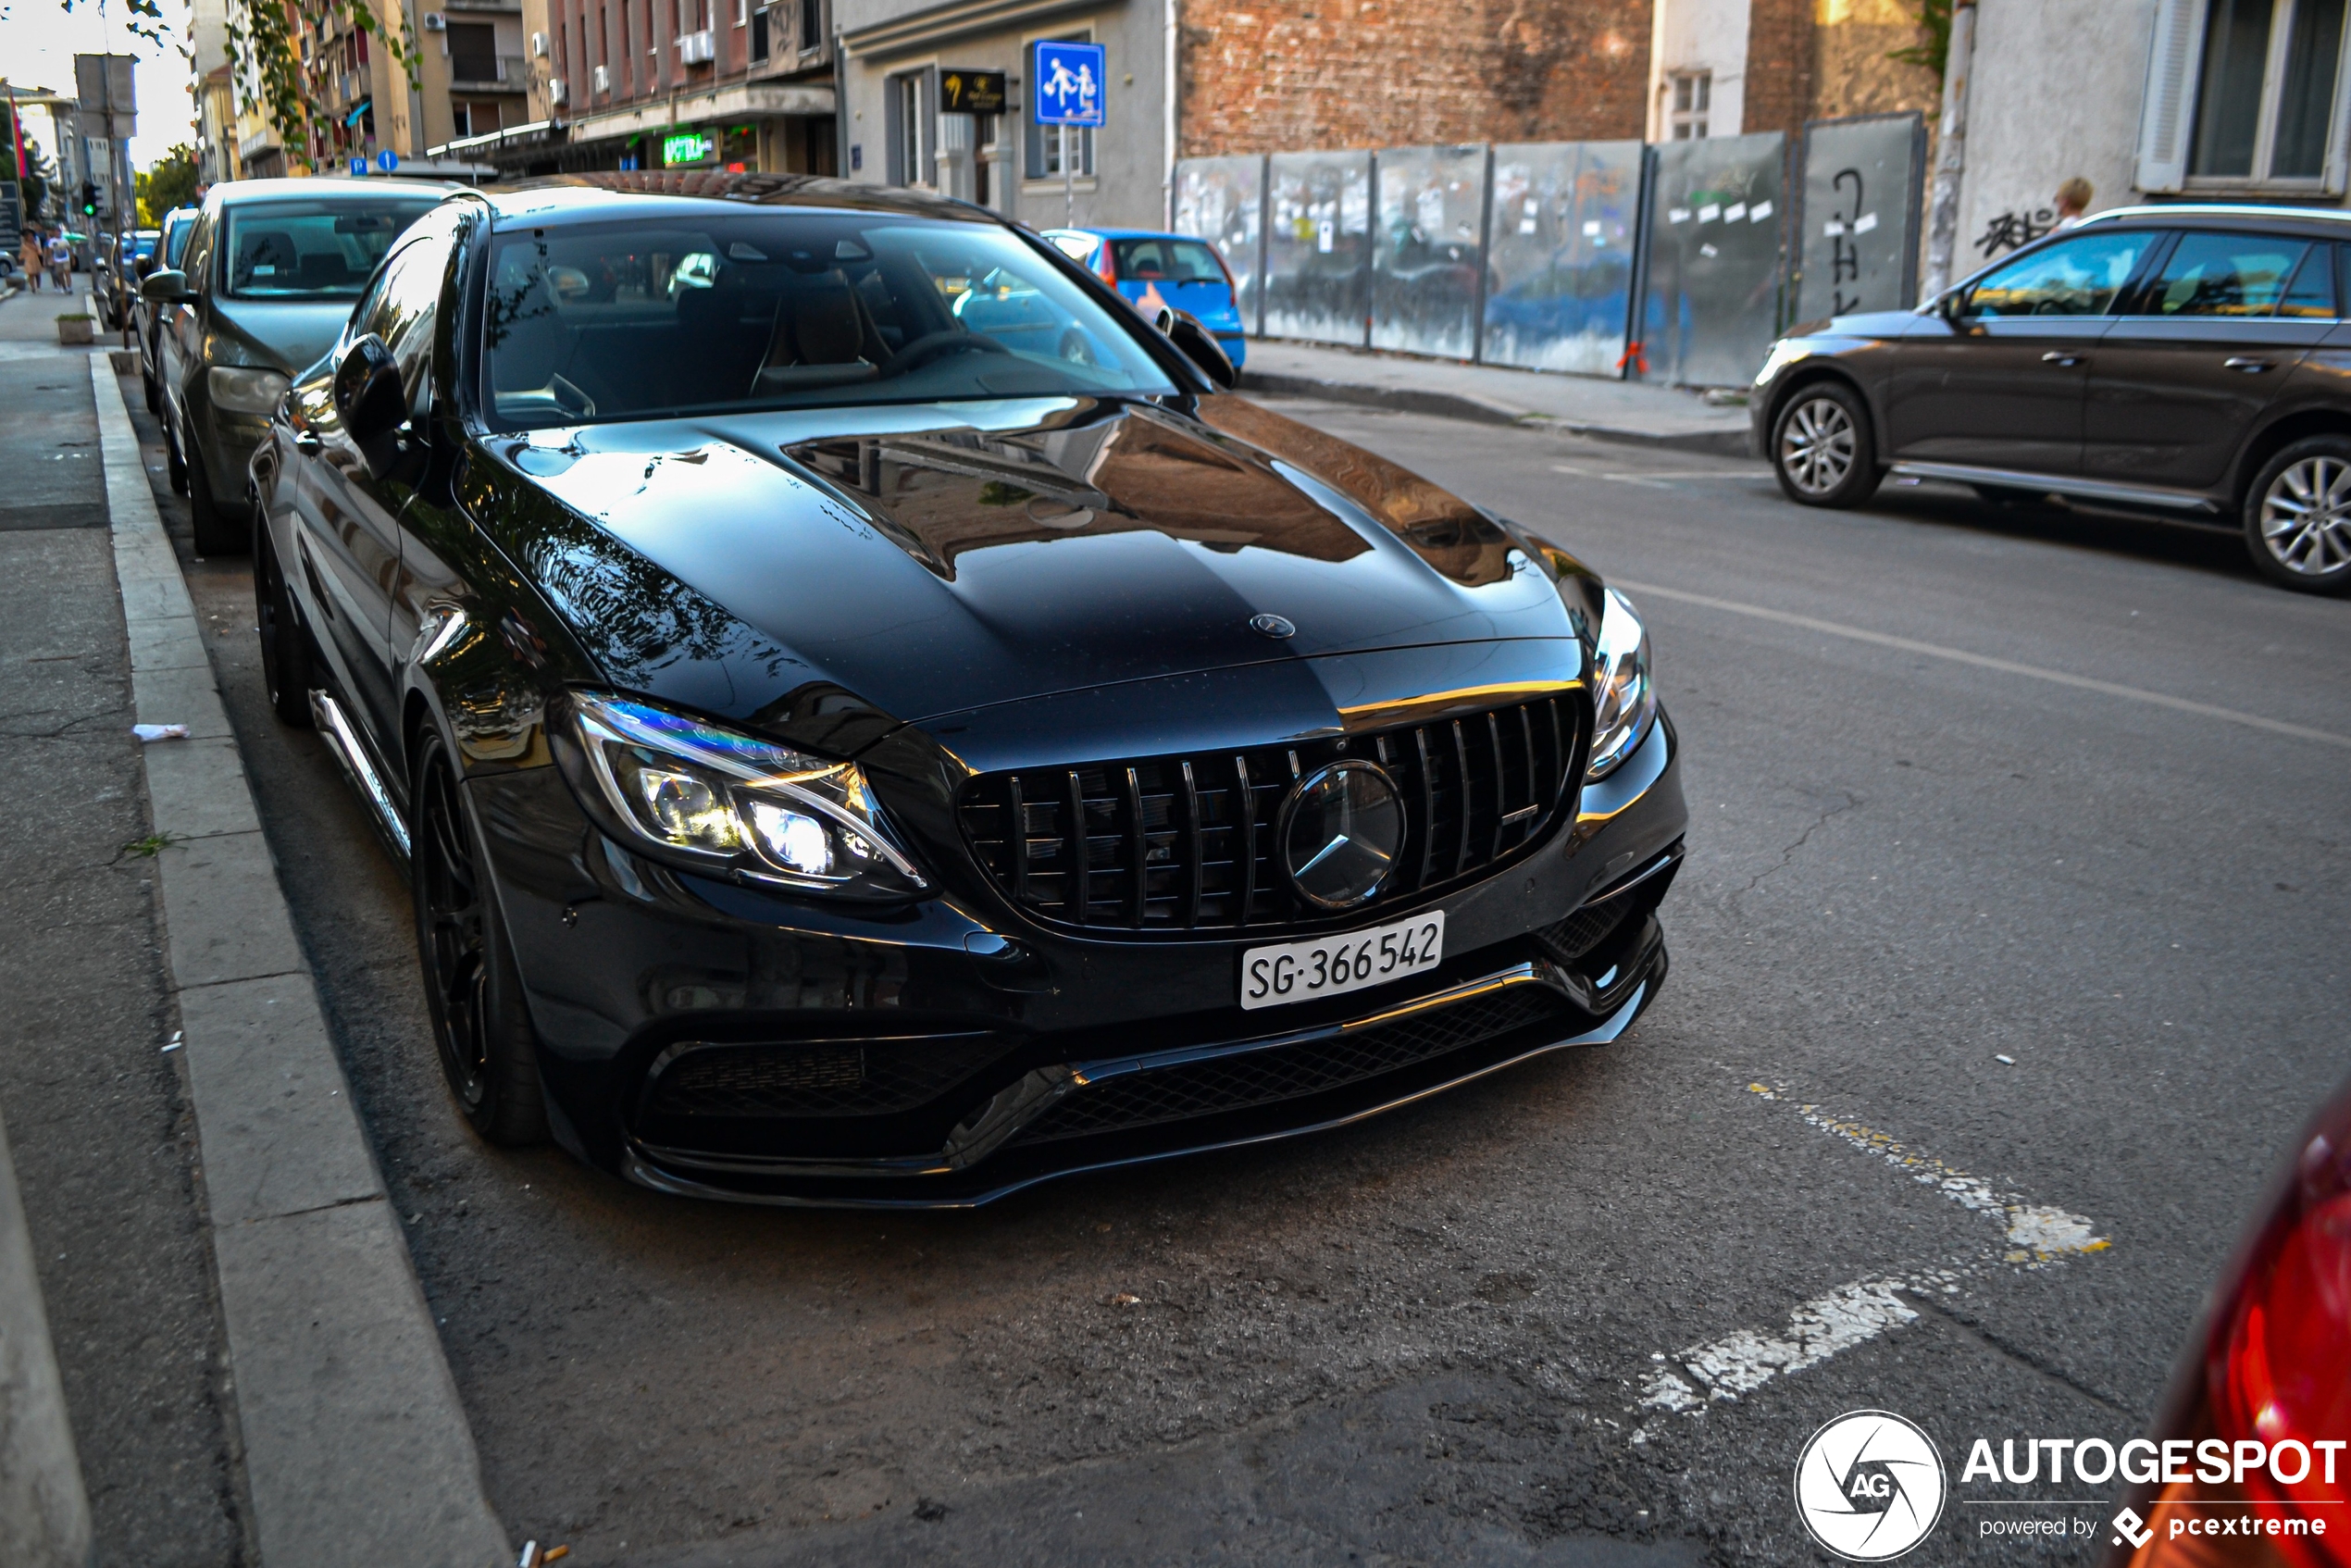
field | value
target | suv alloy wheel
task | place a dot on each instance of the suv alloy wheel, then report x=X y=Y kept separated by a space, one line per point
x=1821 y=448
x=2297 y=516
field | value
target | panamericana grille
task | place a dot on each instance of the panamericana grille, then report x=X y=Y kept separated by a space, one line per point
x=1188 y=843
x=1279 y=1072
x=817 y=1077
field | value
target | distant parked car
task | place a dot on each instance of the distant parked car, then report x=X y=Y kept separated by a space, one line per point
x=147 y=316
x=1184 y=273
x=115 y=277
x=2265 y=1378
x=2179 y=360
x=272 y=269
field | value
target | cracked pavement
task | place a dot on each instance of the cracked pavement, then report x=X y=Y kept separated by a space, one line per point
x=1424 y=1339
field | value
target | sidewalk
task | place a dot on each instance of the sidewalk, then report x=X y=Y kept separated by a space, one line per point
x=1632 y=412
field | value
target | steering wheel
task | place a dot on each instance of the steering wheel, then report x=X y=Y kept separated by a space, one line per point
x=955 y=340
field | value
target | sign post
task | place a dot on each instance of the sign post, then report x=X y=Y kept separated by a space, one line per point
x=1069 y=87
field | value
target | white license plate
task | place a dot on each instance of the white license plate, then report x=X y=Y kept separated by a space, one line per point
x=1274 y=976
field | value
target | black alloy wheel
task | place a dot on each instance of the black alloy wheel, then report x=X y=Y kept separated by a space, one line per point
x=219 y=532
x=479 y=1021
x=287 y=670
x=2297 y=516
x=1822 y=449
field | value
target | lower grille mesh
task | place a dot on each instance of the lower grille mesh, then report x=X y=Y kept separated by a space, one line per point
x=1263 y=1077
x=817 y=1079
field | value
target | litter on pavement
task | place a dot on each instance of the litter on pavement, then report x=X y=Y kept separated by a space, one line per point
x=150 y=733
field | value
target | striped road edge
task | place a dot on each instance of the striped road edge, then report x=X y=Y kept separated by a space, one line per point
x=357 y=1446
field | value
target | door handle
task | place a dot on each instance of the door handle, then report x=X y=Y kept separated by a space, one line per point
x=2250 y=367
x=2057 y=356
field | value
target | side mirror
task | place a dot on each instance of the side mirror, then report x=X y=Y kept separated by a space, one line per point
x=1200 y=345
x=371 y=401
x=1952 y=307
x=167 y=287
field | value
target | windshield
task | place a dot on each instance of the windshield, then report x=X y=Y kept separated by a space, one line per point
x=1167 y=261
x=788 y=310
x=313 y=249
x=175 y=237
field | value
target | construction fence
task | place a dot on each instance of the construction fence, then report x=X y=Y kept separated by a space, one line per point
x=1675 y=261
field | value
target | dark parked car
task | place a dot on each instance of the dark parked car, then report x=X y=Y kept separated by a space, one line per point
x=270 y=271
x=845 y=758
x=2259 y=1409
x=2188 y=361
x=147 y=317
x=114 y=280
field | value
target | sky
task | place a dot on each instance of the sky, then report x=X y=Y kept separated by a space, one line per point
x=38 y=42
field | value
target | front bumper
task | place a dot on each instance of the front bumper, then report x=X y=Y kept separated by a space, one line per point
x=705 y=1038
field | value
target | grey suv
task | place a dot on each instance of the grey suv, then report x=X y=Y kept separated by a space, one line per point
x=271 y=270
x=2188 y=361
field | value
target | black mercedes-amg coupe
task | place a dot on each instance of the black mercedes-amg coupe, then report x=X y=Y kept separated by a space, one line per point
x=871 y=719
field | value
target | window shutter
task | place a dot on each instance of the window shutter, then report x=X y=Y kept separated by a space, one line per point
x=2167 y=118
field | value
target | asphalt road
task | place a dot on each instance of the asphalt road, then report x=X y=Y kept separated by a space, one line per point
x=1452 y=1335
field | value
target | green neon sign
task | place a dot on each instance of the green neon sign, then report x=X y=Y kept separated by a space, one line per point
x=685 y=146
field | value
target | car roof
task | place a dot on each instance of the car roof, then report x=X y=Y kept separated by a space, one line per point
x=1124 y=233
x=2310 y=222
x=234 y=192
x=686 y=194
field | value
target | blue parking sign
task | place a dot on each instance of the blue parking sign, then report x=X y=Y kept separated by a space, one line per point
x=360 y=168
x=1070 y=86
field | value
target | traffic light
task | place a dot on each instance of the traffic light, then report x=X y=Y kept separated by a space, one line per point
x=88 y=198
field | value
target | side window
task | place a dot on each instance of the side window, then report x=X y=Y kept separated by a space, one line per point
x=199 y=264
x=2076 y=277
x=2310 y=297
x=2224 y=275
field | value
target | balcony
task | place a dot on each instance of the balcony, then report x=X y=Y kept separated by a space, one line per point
x=488 y=73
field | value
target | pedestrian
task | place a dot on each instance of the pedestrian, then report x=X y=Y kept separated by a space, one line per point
x=2074 y=201
x=36 y=260
x=61 y=261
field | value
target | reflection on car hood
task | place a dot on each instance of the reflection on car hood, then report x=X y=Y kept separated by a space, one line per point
x=285 y=335
x=938 y=558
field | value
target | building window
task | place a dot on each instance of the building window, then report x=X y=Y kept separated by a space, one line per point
x=1044 y=149
x=2265 y=96
x=812 y=24
x=1688 y=96
x=758 y=35
x=909 y=146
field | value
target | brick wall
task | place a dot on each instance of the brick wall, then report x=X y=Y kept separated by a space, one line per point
x=1779 y=65
x=1280 y=75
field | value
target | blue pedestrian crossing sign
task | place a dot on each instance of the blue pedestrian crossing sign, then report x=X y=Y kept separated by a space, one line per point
x=1070 y=86
x=387 y=161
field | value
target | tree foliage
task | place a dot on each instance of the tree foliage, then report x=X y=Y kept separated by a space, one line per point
x=171 y=183
x=1933 y=48
x=40 y=179
x=265 y=55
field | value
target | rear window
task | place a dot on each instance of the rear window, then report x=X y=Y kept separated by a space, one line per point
x=312 y=249
x=2231 y=274
x=1167 y=261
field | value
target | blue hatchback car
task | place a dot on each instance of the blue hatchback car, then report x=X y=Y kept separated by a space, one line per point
x=1184 y=273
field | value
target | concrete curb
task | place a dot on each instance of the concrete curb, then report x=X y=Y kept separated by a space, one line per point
x=1461 y=405
x=357 y=1450
x=44 y=1512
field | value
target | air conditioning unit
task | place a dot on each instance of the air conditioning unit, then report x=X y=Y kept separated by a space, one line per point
x=558 y=91
x=538 y=46
x=436 y=22
x=696 y=48
x=602 y=77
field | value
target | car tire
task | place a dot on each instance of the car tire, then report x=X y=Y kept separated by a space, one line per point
x=1823 y=451
x=219 y=532
x=155 y=392
x=2297 y=516
x=287 y=671
x=175 y=465
x=480 y=1023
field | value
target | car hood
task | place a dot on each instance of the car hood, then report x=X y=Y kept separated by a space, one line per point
x=1864 y=324
x=281 y=334
x=911 y=562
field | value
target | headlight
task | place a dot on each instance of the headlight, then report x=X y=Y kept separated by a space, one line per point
x=719 y=800
x=1625 y=703
x=238 y=391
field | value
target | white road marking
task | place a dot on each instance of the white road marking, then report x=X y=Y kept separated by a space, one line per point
x=1981 y=661
x=2031 y=1236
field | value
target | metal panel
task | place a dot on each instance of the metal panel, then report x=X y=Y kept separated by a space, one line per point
x=1223 y=201
x=1429 y=266
x=1561 y=250
x=1711 y=293
x=1318 y=237
x=1857 y=228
